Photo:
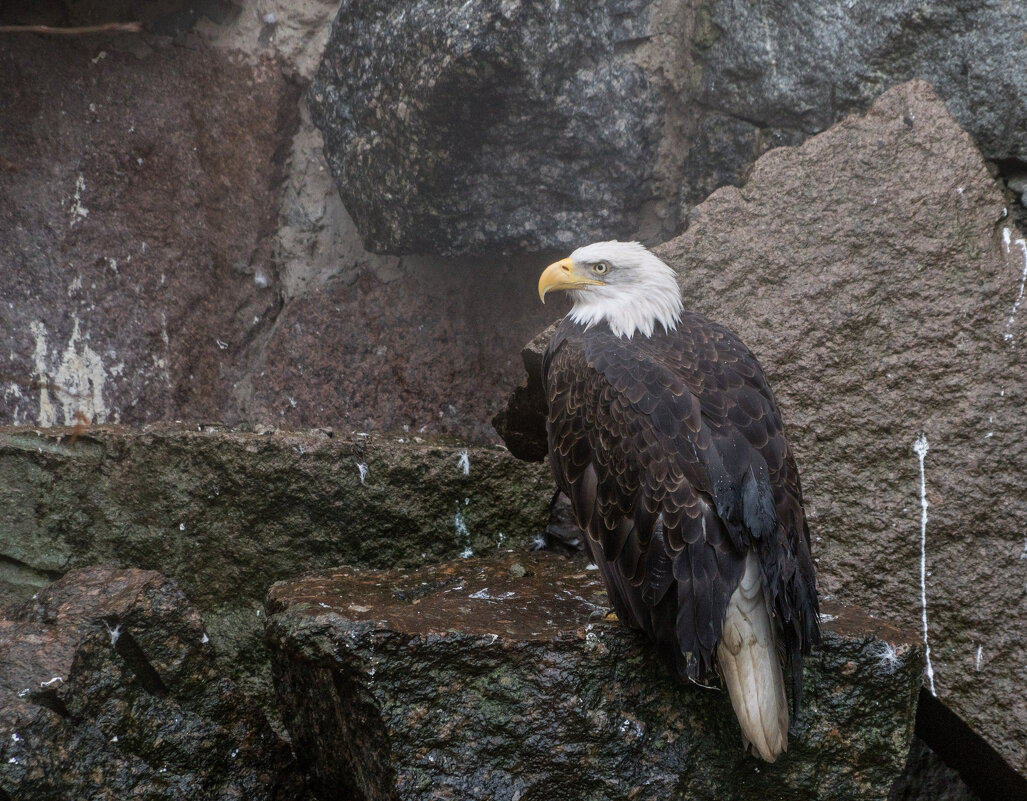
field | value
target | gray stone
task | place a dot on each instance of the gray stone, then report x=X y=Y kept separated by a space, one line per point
x=501 y=126
x=477 y=680
x=109 y=689
x=873 y=273
x=489 y=127
x=803 y=65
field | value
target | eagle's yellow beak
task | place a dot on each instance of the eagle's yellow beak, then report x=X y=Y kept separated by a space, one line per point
x=562 y=275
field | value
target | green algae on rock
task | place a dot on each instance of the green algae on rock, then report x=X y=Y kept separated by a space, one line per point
x=504 y=679
x=227 y=512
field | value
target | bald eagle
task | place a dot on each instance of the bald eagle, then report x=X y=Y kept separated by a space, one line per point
x=666 y=437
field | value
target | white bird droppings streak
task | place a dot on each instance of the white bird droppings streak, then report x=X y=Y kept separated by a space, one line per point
x=977 y=657
x=920 y=447
x=78 y=210
x=114 y=633
x=462 y=532
x=1008 y=242
x=465 y=462
x=363 y=472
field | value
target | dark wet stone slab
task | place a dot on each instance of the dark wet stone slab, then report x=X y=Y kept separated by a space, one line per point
x=504 y=678
x=109 y=689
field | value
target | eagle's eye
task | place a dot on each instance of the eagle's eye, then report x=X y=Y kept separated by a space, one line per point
x=601 y=267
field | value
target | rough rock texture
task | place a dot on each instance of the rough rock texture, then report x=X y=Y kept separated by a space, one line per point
x=813 y=61
x=501 y=679
x=490 y=126
x=163 y=257
x=503 y=126
x=430 y=348
x=871 y=272
x=135 y=226
x=108 y=689
x=226 y=513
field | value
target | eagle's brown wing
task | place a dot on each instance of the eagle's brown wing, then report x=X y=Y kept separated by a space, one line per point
x=673 y=454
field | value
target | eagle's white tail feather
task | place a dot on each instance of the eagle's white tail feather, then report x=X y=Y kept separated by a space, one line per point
x=749 y=662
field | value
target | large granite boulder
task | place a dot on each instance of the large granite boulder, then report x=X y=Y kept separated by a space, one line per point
x=109 y=689
x=492 y=126
x=813 y=61
x=872 y=272
x=502 y=679
x=495 y=126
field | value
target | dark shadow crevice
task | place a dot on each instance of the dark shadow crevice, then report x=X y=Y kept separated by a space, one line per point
x=965 y=751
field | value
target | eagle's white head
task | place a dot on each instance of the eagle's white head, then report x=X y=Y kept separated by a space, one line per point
x=619 y=283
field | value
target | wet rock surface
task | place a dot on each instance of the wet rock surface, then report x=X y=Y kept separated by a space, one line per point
x=502 y=679
x=225 y=513
x=872 y=272
x=109 y=689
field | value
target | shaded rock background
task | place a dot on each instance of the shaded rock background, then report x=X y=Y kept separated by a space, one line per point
x=491 y=677
x=176 y=243
x=173 y=247
x=109 y=685
x=254 y=298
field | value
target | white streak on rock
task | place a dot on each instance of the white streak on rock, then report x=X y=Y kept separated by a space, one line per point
x=78 y=211
x=977 y=657
x=1008 y=243
x=114 y=633
x=81 y=375
x=920 y=448
x=363 y=472
x=483 y=595
x=47 y=414
x=465 y=462
x=462 y=533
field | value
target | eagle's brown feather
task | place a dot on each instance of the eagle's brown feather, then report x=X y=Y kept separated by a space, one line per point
x=673 y=454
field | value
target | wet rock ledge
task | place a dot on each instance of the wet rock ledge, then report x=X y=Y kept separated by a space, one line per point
x=502 y=678
x=109 y=690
